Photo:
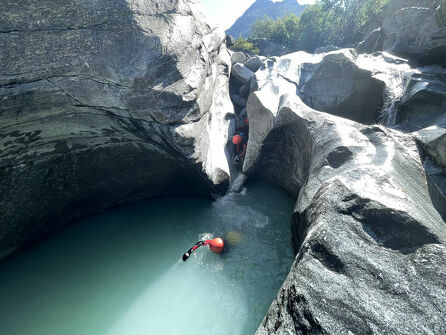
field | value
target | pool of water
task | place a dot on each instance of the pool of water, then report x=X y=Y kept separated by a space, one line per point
x=120 y=272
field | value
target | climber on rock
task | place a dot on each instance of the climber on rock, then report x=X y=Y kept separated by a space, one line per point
x=240 y=141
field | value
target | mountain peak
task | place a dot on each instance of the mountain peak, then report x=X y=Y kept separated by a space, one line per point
x=260 y=8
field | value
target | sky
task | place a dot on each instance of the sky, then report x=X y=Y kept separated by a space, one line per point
x=225 y=12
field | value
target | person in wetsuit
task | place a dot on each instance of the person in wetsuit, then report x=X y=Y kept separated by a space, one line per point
x=240 y=141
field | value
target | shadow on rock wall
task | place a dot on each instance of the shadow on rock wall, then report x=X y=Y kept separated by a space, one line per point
x=94 y=97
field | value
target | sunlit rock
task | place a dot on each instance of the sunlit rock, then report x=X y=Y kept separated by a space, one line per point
x=413 y=29
x=254 y=63
x=372 y=43
x=238 y=57
x=433 y=140
x=339 y=87
x=371 y=246
x=325 y=49
x=424 y=102
x=241 y=73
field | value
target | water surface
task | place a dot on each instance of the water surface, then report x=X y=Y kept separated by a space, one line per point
x=120 y=272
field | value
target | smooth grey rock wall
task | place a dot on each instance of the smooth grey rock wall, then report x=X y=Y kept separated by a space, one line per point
x=339 y=87
x=241 y=73
x=372 y=43
x=371 y=247
x=415 y=29
x=106 y=102
x=336 y=82
x=365 y=203
x=434 y=141
x=423 y=103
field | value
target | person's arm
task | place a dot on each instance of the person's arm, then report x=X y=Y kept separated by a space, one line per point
x=191 y=250
x=244 y=150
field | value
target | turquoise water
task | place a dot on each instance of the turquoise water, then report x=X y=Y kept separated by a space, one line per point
x=120 y=272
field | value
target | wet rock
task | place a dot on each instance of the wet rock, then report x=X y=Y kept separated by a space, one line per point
x=339 y=156
x=440 y=13
x=238 y=57
x=364 y=226
x=424 y=102
x=372 y=43
x=254 y=63
x=241 y=73
x=103 y=104
x=436 y=181
x=433 y=140
x=339 y=87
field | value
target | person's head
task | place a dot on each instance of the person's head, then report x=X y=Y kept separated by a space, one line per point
x=237 y=139
x=217 y=245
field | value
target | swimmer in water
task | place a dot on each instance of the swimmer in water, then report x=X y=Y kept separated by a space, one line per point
x=216 y=245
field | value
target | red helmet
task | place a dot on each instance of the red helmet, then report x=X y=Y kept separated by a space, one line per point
x=217 y=245
x=237 y=139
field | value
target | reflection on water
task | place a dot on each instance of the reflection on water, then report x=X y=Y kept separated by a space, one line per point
x=120 y=272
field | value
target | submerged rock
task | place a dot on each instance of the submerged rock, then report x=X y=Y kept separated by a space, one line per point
x=105 y=103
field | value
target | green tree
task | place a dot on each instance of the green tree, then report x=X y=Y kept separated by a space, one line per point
x=340 y=22
x=343 y=23
x=262 y=28
x=284 y=30
x=243 y=45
